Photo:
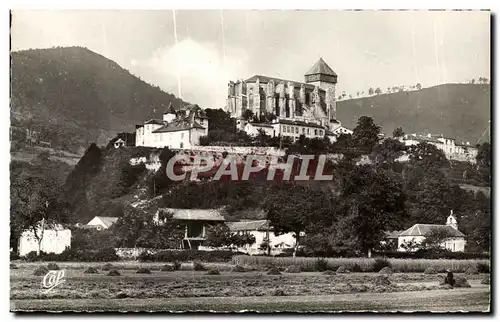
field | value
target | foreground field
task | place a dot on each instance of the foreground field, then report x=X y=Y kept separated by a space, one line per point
x=254 y=290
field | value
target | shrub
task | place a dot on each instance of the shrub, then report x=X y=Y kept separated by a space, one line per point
x=114 y=272
x=238 y=269
x=91 y=270
x=430 y=271
x=14 y=256
x=143 y=270
x=386 y=270
x=483 y=268
x=342 y=269
x=485 y=280
x=53 y=267
x=197 y=266
x=471 y=271
x=188 y=256
x=167 y=268
x=380 y=263
x=292 y=269
x=321 y=265
x=40 y=271
x=381 y=280
x=355 y=268
x=461 y=281
x=273 y=271
x=13 y=266
x=213 y=272
x=423 y=254
x=177 y=265
x=107 y=254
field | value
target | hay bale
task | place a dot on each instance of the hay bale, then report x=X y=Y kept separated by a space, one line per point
x=41 y=271
x=238 y=269
x=273 y=271
x=278 y=292
x=461 y=281
x=430 y=271
x=386 y=270
x=167 y=268
x=108 y=267
x=472 y=271
x=329 y=272
x=292 y=269
x=445 y=286
x=143 y=270
x=381 y=280
x=91 y=270
x=486 y=280
x=114 y=272
x=213 y=271
x=121 y=295
x=342 y=269
x=13 y=266
x=197 y=266
x=53 y=267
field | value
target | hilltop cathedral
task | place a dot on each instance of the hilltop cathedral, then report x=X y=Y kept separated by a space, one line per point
x=300 y=106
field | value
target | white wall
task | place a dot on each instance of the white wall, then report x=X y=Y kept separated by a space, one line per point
x=53 y=241
x=455 y=244
x=274 y=241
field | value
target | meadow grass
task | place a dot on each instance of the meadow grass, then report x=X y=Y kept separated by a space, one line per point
x=309 y=264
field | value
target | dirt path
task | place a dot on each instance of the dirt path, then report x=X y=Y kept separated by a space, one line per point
x=476 y=298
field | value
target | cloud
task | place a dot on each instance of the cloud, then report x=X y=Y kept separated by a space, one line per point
x=202 y=68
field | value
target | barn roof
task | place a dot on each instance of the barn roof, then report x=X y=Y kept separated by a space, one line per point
x=424 y=229
x=196 y=214
x=248 y=225
x=108 y=221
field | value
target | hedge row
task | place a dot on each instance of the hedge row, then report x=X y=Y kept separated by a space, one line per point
x=431 y=255
x=188 y=255
x=72 y=255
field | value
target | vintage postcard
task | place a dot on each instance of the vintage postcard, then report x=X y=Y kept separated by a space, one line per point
x=250 y=161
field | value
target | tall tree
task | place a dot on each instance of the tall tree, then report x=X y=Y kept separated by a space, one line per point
x=427 y=156
x=386 y=153
x=398 y=132
x=365 y=134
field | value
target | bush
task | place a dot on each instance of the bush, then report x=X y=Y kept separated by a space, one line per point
x=386 y=270
x=188 y=256
x=321 y=265
x=292 y=269
x=355 y=268
x=177 y=265
x=69 y=255
x=197 y=266
x=379 y=264
x=107 y=254
x=40 y=271
x=430 y=271
x=143 y=270
x=114 y=272
x=13 y=266
x=91 y=270
x=471 y=271
x=53 y=267
x=483 y=268
x=167 y=268
x=213 y=272
x=14 y=256
x=423 y=254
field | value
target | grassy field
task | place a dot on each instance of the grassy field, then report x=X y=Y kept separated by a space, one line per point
x=254 y=290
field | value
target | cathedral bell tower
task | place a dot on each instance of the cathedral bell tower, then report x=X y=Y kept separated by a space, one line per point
x=325 y=78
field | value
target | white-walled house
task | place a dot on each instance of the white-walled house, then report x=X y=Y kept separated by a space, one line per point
x=417 y=233
x=54 y=240
x=180 y=129
x=101 y=222
x=262 y=231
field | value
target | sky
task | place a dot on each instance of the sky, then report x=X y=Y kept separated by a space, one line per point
x=199 y=54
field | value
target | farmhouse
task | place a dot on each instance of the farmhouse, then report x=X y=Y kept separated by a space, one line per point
x=54 y=240
x=262 y=232
x=417 y=233
x=195 y=221
x=101 y=223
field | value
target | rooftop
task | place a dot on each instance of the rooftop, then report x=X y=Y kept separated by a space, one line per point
x=267 y=79
x=320 y=67
x=196 y=214
x=424 y=229
x=300 y=123
x=248 y=225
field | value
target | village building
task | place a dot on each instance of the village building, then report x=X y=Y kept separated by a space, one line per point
x=452 y=149
x=417 y=233
x=263 y=233
x=123 y=139
x=196 y=223
x=180 y=129
x=53 y=240
x=101 y=222
x=300 y=107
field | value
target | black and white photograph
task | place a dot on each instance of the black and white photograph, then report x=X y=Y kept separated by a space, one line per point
x=263 y=161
